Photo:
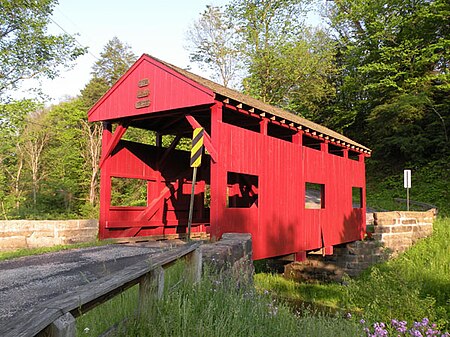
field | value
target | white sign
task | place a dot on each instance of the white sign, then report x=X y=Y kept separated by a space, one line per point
x=407 y=178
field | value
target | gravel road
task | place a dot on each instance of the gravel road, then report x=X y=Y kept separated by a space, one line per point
x=27 y=281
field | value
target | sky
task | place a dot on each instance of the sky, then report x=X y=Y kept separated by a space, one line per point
x=155 y=27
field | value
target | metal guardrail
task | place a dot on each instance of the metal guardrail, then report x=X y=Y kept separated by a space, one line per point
x=423 y=205
x=56 y=317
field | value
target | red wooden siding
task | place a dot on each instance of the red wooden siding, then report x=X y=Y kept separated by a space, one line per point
x=139 y=161
x=257 y=178
x=280 y=224
x=167 y=89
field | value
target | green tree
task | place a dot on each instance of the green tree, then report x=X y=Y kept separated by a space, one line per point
x=33 y=142
x=67 y=181
x=26 y=49
x=213 y=45
x=13 y=118
x=395 y=59
x=266 y=27
x=287 y=63
x=115 y=59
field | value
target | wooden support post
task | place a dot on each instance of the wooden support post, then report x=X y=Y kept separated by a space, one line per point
x=194 y=266
x=151 y=287
x=345 y=152
x=297 y=138
x=263 y=124
x=105 y=182
x=62 y=327
x=327 y=250
x=158 y=139
x=300 y=256
x=218 y=176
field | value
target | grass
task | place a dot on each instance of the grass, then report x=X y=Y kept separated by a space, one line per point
x=6 y=255
x=111 y=313
x=322 y=295
x=411 y=287
x=213 y=307
x=429 y=185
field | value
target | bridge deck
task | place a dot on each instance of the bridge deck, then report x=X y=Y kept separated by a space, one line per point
x=27 y=281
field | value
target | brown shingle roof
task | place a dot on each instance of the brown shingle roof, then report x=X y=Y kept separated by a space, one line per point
x=264 y=107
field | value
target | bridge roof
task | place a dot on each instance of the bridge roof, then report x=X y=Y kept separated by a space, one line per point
x=206 y=92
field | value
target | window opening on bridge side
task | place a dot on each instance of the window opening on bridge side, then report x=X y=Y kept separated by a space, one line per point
x=311 y=142
x=242 y=190
x=357 y=197
x=128 y=192
x=280 y=132
x=336 y=150
x=353 y=155
x=314 y=196
x=241 y=120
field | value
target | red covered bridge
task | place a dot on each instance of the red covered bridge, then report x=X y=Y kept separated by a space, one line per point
x=294 y=185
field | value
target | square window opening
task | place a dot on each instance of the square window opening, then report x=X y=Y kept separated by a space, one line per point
x=128 y=192
x=280 y=132
x=353 y=155
x=357 y=197
x=336 y=150
x=242 y=190
x=241 y=120
x=310 y=142
x=314 y=196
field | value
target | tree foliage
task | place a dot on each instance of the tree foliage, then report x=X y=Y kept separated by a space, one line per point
x=266 y=28
x=275 y=55
x=213 y=45
x=49 y=157
x=395 y=78
x=26 y=48
x=115 y=59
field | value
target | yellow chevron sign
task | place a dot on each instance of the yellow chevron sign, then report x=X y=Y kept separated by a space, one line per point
x=197 y=147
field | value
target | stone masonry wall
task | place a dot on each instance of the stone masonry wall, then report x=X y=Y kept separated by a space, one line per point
x=394 y=232
x=231 y=256
x=16 y=234
x=400 y=230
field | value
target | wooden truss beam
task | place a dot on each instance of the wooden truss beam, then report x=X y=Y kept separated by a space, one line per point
x=206 y=138
x=157 y=202
x=163 y=160
x=120 y=131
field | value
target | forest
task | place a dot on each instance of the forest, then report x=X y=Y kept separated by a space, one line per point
x=378 y=72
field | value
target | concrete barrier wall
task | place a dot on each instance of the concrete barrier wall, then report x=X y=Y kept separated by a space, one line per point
x=15 y=234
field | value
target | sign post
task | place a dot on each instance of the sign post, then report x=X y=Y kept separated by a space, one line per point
x=196 y=160
x=407 y=184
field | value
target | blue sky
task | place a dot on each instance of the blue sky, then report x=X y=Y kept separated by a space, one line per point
x=155 y=27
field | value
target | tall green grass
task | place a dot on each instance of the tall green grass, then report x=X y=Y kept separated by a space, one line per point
x=214 y=307
x=411 y=287
x=217 y=307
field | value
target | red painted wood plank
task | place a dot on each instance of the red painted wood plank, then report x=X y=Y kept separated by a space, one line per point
x=157 y=203
x=120 y=131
